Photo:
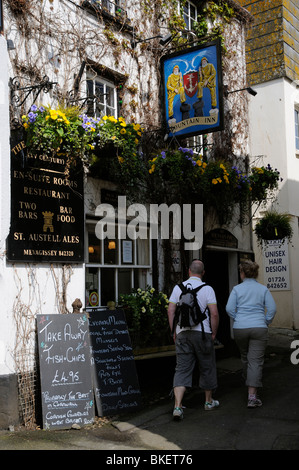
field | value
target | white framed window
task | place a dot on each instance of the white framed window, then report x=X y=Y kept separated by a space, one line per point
x=113 y=8
x=297 y=130
x=115 y=266
x=102 y=97
x=196 y=143
x=190 y=14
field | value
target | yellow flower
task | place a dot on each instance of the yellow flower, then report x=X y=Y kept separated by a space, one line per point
x=121 y=159
x=152 y=169
x=26 y=125
x=123 y=131
x=123 y=124
x=199 y=162
x=204 y=164
x=258 y=170
x=214 y=181
x=53 y=114
x=113 y=138
x=104 y=118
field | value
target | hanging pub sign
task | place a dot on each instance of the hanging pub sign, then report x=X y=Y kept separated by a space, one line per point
x=193 y=91
x=47 y=211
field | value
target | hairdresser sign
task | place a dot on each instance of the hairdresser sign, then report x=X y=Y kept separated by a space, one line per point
x=276 y=265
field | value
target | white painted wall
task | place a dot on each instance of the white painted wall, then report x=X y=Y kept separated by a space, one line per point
x=272 y=135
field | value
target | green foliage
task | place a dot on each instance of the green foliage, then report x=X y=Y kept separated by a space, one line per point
x=273 y=226
x=64 y=131
x=56 y=131
x=263 y=180
x=146 y=315
x=180 y=176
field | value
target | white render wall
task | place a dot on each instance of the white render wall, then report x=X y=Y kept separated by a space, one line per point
x=272 y=135
x=65 y=39
x=25 y=290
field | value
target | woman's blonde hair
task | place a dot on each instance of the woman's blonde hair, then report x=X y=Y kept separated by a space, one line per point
x=249 y=268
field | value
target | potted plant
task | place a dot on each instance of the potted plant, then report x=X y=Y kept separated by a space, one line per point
x=273 y=226
x=146 y=315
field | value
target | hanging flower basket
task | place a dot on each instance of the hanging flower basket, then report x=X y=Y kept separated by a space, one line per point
x=273 y=226
x=181 y=175
x=64 y=131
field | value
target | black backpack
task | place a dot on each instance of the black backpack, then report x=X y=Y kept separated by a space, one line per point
x=188 y=313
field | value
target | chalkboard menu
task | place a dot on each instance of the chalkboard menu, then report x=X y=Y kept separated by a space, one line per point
x=66 y=383
x=47 y=207
x=116 y=382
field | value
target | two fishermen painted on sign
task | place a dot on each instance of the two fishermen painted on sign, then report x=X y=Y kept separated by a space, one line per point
x=189 y=84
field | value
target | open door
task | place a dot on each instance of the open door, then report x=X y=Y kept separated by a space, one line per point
x=217 y=276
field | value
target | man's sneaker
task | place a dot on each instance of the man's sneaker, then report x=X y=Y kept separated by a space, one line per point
x=211 y=405
x=254 y=402
x=178 y=414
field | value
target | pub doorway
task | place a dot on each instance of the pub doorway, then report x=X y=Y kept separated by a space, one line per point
x=217 y=275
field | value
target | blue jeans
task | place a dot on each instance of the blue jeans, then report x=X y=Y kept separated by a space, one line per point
x=252 y=343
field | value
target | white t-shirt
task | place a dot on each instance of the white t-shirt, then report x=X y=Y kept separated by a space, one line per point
x=205 y=296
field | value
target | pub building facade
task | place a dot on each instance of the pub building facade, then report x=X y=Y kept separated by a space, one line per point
x=105 y=58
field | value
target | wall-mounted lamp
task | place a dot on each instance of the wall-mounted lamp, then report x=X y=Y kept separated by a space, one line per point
x=163 y=40
x=248 y=89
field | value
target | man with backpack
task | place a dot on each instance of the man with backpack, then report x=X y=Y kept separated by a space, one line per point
x=194 y=338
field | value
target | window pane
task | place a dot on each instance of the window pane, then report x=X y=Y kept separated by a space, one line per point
x=107 y=285
x=297 y=129
x=110 y=251
x=94 y=249
x=92 y=287
x=100 y=92
x=100 y=110
x=192 y=12
x=124 y=281
x=140 y=278
x=186 y=19
x=143 y=255
x=110 y=96
x=90 y=102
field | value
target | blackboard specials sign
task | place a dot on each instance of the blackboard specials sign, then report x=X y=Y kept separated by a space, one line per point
x=116 y=382
x=66 y=383
x=47 y=207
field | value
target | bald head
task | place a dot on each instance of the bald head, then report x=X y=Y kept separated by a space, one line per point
x=197 y=268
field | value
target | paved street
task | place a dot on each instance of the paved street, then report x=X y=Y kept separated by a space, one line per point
x=274 y=426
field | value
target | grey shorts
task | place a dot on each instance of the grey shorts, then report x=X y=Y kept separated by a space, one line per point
x=191 y=348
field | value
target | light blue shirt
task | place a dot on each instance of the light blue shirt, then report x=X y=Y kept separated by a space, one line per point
x=251 y=305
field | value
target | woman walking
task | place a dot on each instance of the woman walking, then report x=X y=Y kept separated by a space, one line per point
x=252 y=308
